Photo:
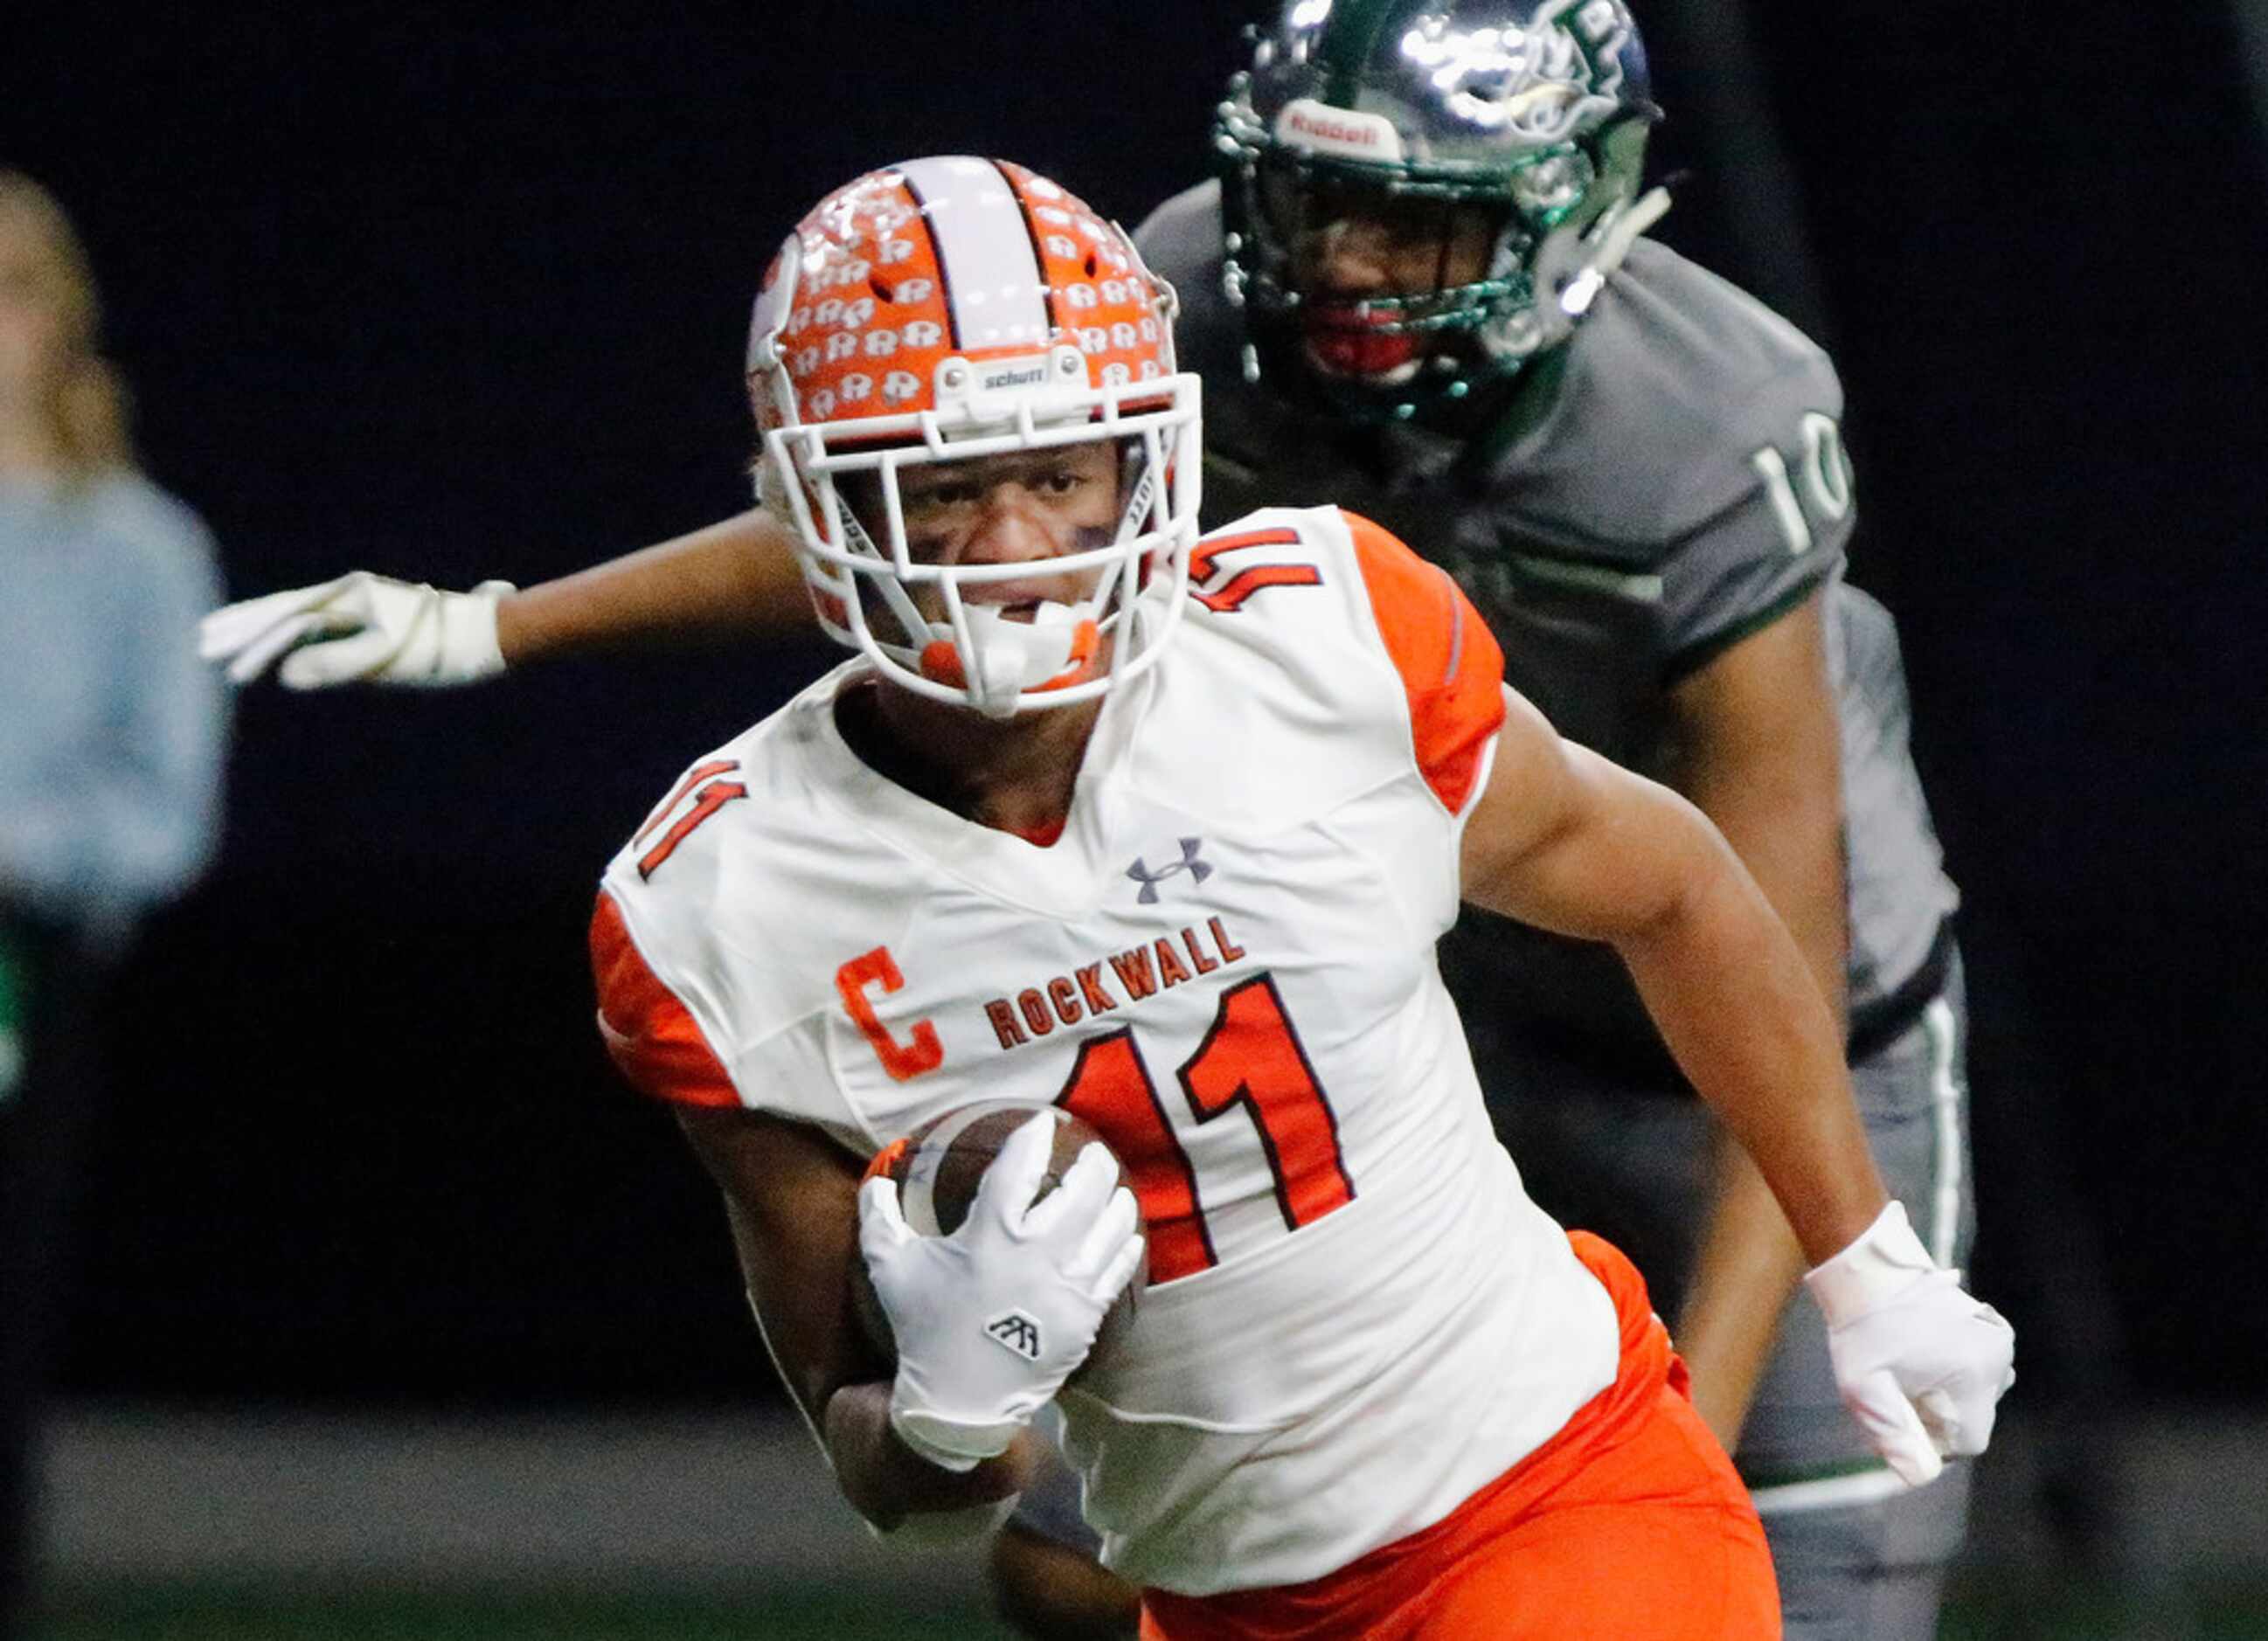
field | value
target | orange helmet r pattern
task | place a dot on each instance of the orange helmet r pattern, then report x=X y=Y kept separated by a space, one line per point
x=951 y=259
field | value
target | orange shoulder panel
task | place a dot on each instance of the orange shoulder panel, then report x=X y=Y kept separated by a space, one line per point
x=647 y=1030
x=1451 y=667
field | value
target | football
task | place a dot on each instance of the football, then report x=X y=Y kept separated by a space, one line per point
x=936 y=1169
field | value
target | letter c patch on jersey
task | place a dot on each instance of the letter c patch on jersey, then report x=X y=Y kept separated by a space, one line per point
x=902 y=1061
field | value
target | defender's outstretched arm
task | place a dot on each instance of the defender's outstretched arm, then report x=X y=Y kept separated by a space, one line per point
x=735 y=578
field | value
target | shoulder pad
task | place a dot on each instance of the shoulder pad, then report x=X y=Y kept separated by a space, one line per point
x=1673 y=385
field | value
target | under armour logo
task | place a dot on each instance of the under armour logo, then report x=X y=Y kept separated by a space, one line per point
x=1013 y=1331
x=1197 y=870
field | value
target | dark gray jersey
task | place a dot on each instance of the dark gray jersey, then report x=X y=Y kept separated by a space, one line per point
x=1687 y=487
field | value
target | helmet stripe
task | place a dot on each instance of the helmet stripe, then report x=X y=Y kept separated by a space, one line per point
x=983 y=246
x=943 y=274
x=1039 y=252
x=1351 y=34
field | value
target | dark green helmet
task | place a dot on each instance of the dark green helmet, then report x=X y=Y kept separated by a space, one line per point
x=1489 y=150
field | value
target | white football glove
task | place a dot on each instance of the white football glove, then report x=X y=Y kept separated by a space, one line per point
x=1920 y=1364
x=991 y=1321
x=360 y=627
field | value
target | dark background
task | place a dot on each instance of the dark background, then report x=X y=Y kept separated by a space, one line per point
x=453 y=298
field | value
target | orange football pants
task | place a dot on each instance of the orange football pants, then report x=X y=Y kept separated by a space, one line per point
x=1630 y=1522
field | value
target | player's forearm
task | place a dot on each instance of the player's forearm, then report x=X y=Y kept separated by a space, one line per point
x=887 y=1482
x=1747 y=1263
x=1739 y=1007
x=1748 y=1260
x=736 y=576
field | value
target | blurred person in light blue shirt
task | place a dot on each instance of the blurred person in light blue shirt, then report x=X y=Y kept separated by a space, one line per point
x=111 y=735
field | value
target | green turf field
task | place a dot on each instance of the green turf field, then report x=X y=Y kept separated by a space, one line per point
x=1999 y=1608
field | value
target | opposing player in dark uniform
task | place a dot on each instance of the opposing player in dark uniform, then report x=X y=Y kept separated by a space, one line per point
x=1651 y=510
x=1382 y=295
x=1420 y=289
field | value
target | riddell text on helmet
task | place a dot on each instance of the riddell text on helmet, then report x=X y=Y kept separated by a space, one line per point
x=1302 y=121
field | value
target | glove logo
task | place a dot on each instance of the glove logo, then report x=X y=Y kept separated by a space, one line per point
x=1015 y=1332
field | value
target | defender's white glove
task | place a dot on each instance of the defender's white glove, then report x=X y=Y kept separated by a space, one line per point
x=359 y=626
x=1919 y=1363
x=991 y=1321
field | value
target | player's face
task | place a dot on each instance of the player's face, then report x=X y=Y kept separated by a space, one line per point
x=1352 y=245
x=1024 y=508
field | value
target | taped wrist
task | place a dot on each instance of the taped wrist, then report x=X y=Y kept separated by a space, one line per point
x=469 y=631
x=1885 y=1261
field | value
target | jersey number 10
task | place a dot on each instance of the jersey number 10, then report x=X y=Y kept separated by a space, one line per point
x=1825 y=475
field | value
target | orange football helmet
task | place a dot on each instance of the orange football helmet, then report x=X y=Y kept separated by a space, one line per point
x=953 y=308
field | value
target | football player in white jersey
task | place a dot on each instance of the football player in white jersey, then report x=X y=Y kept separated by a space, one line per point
x=1164 y=830
x=1649 y=509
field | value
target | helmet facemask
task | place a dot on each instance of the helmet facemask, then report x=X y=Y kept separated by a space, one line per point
x=928 y=627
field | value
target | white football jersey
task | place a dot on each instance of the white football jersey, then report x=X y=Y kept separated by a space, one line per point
x=1356 y=1317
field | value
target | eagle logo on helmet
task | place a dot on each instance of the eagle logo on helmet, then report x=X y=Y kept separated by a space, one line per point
x=1540 y=81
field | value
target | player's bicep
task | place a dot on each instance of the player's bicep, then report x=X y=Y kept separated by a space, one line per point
x=1565 y=840
x=1758 y=747
x=791 y=1196
x=1771 y=684
x=1757 y=742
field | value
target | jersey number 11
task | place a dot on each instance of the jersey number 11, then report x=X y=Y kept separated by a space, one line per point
x=1251 y=1060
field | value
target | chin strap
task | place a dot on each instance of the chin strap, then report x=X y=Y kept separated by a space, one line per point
x=1614 y=236
x=1572 y=268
